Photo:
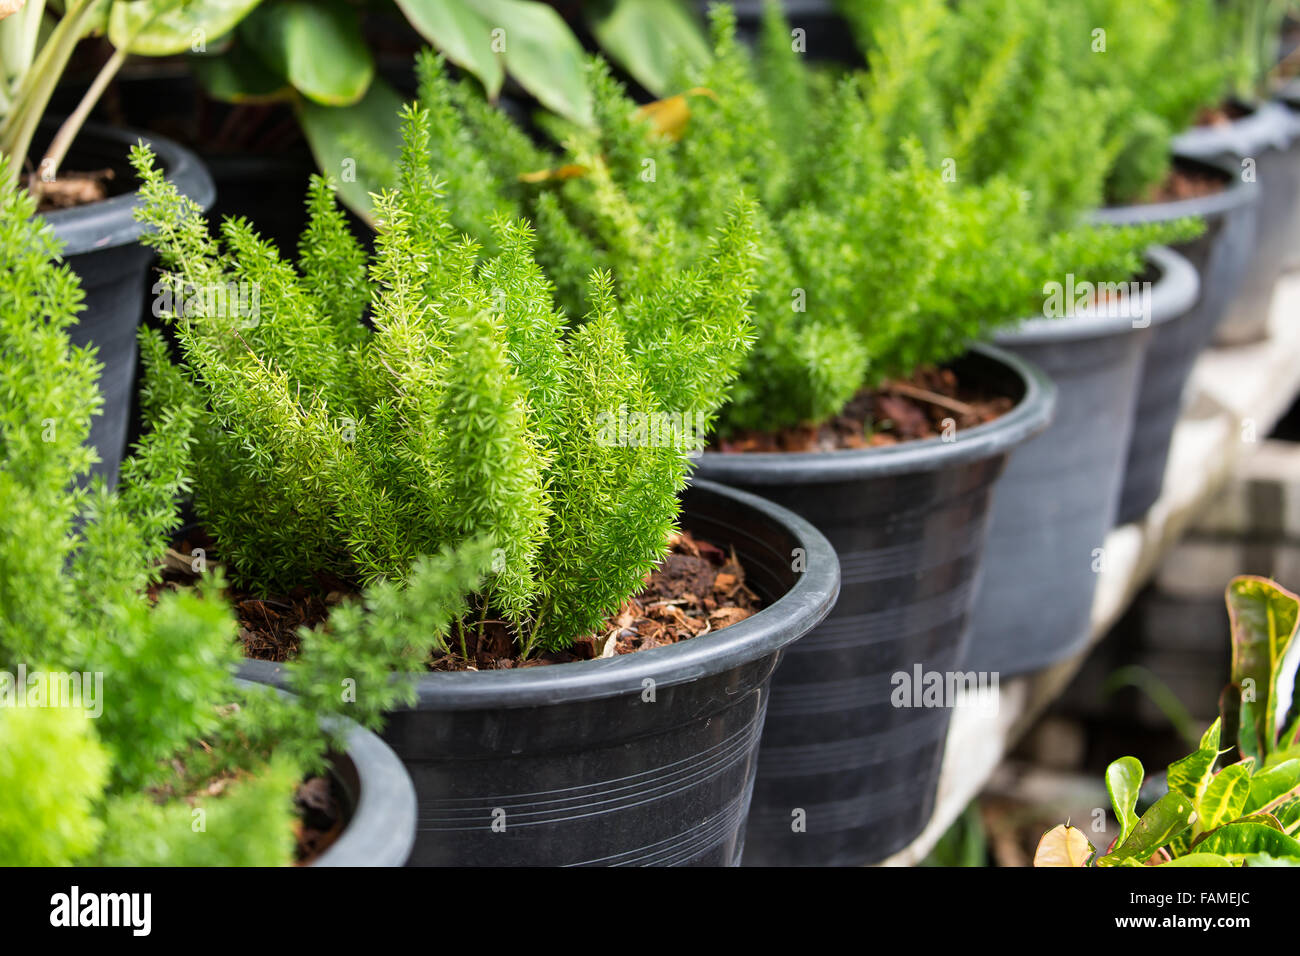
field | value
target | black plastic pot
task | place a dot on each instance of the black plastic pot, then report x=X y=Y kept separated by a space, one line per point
x=1220 y=255
x=379 y=802
x=101 y=244
x=1289 y=96
x=1266 y=139
x=1057 y=499
x=908 y=522
x=641 y=759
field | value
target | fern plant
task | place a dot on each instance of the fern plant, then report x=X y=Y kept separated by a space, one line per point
x=1077 y=102
x=380 y=410
x=118 y=781
x=873 y=260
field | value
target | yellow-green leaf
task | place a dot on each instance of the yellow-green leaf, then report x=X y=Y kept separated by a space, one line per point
x=1238 y=840
x=1123 y=781
x=1164 y=820
x=1224 y=798
x=1199 y=859
x=1271 y=783
x=1190 y=775
x=1264 y=619
x=153 y=28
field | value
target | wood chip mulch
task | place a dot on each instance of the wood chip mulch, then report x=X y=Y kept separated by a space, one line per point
x=933 y=401
x=697 y=589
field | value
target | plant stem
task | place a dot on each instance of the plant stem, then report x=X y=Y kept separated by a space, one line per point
x=925 y=395
x=38 y=85
x=71 y=126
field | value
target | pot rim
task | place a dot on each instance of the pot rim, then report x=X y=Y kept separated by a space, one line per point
x=782 y=622
x=109 y=223
x=1239 y=193
x=1172 y=295
x=1268 y=125
x=1030 y=416
x=386 y=796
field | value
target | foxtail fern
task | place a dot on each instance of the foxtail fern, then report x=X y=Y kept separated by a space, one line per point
x=465 y=408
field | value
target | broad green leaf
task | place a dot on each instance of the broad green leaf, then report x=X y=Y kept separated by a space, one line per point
x=1224 y=798
x=317 y=47
x=239 y=76
x=651 y=39
x=1271 y=783
x=1190 y=775
x=1264 y=859
x=1199 y=859
x=1123 y=781
x=1282 y=756
x=1264 y=619
x=163 y=28
x=1266 y=819
x=462 y=33
x=1237 y=840
x=1063 y=845
x=542 y=55
x=1288 y=815
x=356 y=145
x=1164 y=819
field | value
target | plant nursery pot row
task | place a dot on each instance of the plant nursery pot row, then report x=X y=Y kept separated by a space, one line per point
x=639 y=759
x=1058 y=497
x=847 y=771
x=1262 y=144
x=101 y=243
x=1221 y=256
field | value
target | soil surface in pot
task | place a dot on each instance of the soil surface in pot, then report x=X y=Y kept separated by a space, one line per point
x=1184 y=184
x=320 y=818
x=697 y=589
x=71 y=189
x=1221 y=115
x=317 y=801
x=931 y=401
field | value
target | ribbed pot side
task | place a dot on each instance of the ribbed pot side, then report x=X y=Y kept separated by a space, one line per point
x=1220 y=255
x=845 y=777
x=1057 y=498
x=640 y=759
